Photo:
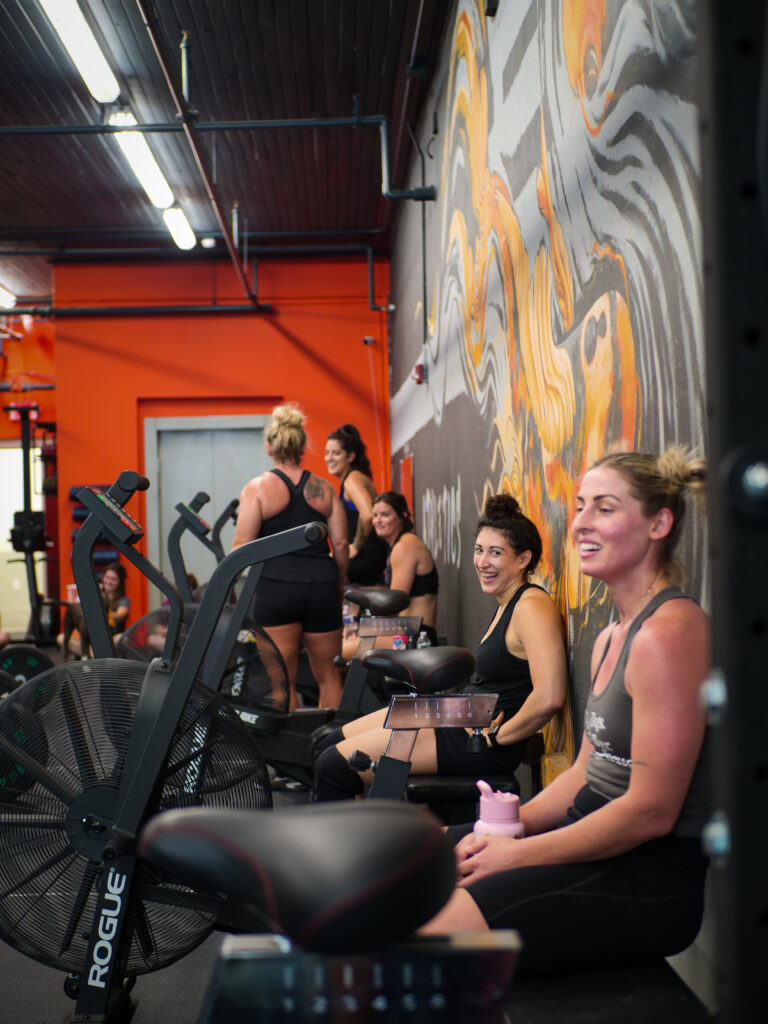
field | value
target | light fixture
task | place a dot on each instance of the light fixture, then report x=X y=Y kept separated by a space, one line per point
x=72 y=28
x=139 y=156
x=179 y=227
x=208 y=242
x=7 y=299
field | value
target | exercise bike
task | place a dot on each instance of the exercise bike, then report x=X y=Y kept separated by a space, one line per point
x=88 y=750
x=345 y=885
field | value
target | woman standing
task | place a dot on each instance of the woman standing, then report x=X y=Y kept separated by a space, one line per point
x=613 y=845
x=521 y=657
x=298 y=596
x=346 y=459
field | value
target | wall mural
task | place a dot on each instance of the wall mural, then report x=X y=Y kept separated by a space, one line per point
x=564 y=281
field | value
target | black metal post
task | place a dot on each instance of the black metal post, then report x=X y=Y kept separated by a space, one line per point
x=734 y=137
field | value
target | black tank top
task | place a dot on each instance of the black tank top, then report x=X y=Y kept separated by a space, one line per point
x=312 y=564
x=498 y=671
x=426 y=583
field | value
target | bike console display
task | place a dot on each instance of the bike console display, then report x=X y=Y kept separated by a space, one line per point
x=113 y=516
x=464 y=711
x=192 y=520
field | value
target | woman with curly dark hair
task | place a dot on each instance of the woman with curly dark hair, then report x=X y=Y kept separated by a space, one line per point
x=521 y=657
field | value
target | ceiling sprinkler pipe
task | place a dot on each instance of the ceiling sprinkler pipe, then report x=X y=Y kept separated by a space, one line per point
x=47 y=312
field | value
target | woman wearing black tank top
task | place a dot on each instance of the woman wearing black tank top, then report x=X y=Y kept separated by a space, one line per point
x=613 y=845
x=521 y=657
x=298 y=597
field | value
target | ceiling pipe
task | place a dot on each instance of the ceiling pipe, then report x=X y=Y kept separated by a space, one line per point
x=408 y=80
x=375 y=121
x=49 y=232
x=91 y=311
x=46 y=312
x=187 y=123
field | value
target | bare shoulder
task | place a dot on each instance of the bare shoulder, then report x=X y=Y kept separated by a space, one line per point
x=255 y=485
x=677 y=624
x=675 y=640
x=536 y=606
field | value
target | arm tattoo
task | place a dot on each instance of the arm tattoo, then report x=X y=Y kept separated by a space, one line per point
x=313 y=488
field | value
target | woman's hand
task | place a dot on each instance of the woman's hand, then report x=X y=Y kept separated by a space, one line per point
x=480 y=856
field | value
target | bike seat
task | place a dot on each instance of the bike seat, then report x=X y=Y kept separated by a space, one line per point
x=342 y=877
x=426 y=669
x=378 y=600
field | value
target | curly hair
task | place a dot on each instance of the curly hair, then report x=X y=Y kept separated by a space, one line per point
x=502 y=512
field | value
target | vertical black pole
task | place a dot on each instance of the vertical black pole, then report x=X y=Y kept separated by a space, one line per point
x=734 y=137
x=35 y=600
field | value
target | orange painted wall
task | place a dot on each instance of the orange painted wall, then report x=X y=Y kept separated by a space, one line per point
x=113 y=371
x=27 y=361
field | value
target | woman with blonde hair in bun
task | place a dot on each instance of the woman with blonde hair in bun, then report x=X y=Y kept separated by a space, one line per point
x=521 y=657
x=298 y=597
x=613 y=845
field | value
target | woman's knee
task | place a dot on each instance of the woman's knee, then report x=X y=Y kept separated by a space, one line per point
x=334 y=779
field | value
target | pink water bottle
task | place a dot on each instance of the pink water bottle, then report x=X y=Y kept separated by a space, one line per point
x=499 y=813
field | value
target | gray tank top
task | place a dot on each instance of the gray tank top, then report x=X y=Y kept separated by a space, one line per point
x=608 y=727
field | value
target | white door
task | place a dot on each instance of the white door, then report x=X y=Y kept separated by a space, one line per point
x=184 y=455
x=14 y=590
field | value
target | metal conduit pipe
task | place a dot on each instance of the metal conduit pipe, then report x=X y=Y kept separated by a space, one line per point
x=184 y=113
x=90 y=311
x=46 y=312
x=378 y=121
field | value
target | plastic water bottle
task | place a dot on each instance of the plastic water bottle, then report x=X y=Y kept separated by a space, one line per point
x=423 y=640
x=499 y=813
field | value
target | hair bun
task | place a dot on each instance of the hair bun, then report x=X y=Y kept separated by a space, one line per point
x=501 y=506
x=289 y=415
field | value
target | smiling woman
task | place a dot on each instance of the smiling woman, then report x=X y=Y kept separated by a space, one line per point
x=346 y=459
x=614 y=843
x=521 y=658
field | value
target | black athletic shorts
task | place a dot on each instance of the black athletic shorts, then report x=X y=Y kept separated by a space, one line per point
x=316 y=606
x=455 y=758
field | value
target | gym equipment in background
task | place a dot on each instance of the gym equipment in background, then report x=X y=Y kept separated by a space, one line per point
x=28 y=537
x=89 y=750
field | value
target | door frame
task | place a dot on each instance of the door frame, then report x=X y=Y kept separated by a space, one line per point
x=153 y=427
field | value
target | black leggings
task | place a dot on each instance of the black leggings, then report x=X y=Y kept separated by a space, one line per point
x=641 y=905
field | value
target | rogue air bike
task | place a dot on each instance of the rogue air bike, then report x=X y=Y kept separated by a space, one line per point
x=89 y=751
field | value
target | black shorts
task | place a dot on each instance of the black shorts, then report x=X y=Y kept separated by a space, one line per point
x=455 y=758
x=316 y=606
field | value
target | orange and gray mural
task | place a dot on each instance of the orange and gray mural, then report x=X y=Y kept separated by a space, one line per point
x=563 y=283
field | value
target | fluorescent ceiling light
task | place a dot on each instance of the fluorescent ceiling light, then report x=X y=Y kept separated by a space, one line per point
x=67 y=18
x=7 y=299
x=143 y=164
x=179 y=227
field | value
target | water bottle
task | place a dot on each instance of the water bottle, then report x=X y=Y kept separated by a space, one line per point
x=423 y=640
x=499 y=813
x=350 y=622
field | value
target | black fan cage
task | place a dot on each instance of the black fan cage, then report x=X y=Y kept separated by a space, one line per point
x=63 y=741
x=255 y=674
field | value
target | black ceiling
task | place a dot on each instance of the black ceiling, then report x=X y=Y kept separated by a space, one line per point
x=316 y=186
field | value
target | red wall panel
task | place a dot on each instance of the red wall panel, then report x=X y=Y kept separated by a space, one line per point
x=112 y=371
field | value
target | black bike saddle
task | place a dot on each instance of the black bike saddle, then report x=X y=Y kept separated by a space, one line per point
x=342 y=877
x=425 y=669
x=378 y=600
